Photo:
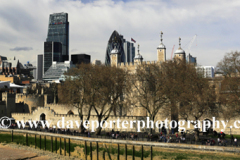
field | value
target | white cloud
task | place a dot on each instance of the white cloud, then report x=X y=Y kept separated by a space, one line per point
x=25 y=22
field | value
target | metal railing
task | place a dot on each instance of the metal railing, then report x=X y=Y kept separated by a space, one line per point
x=66 y=143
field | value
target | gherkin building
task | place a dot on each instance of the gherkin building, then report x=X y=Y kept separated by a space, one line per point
x=118 y=40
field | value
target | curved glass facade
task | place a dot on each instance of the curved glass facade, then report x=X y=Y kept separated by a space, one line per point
x=118 y=39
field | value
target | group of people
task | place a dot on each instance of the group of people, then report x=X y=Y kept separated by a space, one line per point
x=172 y=138
x=116 y=135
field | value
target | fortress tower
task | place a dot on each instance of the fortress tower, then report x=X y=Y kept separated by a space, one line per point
x=115 y=56
x=161 y=51
x=138 y=58
x=180 y=53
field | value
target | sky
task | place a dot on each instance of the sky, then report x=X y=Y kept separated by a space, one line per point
x=24 y=25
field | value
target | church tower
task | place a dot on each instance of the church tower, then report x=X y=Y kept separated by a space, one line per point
x=138 y=58
x=115 y=56
x=161 y=51
x=180 y=53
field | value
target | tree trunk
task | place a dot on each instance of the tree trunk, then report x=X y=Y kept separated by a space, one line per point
x=196 y=135
x=151 y=118
x=98 y=131
x=81 y=127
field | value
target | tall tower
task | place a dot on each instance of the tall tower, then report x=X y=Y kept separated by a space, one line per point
x=180 y=53
x=138 y=58
x=161 y=51
x=58 y=31
x=56 y=47
x=115 y=56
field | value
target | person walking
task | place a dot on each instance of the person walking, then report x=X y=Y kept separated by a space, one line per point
x=235 y=141
x=219 y=141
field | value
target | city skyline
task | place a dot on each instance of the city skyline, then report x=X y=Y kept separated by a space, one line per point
x=24 y=29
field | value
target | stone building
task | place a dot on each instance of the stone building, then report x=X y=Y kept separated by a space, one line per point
x=40 y=109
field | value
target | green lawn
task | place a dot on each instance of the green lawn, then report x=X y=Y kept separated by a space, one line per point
x=20 y=139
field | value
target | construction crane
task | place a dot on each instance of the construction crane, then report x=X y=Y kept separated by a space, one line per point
x=172 y=51
x=190 y=44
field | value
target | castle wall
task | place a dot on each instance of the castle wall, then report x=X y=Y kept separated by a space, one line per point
x=9 y=99
x=3 y=109
x=30 y=100
x=54 y=118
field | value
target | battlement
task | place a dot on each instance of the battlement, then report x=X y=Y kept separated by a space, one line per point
x=7 y=94
x=21 y=114
x=23 y=95
x=148 y=62
x=56 y=105
x=122 y=64
x=40 y=108
x=66 y=115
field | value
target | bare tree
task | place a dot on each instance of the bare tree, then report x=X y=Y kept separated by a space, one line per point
x=112 y=82
x=229 y=93
x=190 y=92
x=230 y=64
x=77 y=90
x=147 y=90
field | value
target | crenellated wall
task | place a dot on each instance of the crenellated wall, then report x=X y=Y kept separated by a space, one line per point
x=54 y=118
x=30 y=100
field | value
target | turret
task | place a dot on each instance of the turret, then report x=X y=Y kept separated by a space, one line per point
x=138 y=58
x=180 y=53
x=115 y=56
x=161 y=51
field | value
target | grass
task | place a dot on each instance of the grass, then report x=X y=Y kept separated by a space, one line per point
x=160 y=152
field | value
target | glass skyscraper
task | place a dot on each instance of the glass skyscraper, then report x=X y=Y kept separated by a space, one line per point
x=58 y=31
x=56 y=47
x=125 y=48
x=52 y=52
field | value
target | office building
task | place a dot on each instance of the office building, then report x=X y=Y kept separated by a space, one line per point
x=80 y=58
x=58 y=31
x=191 y=59
x=206 y=71
x=39 y=71
x=126 y=49
x=52 y=52
x=56 y=47
x=57 y=70
x=129 y=51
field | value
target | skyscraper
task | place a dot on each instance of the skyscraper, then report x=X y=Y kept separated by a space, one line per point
x=56 y=47
x=52 y=52
x=80 y=58
x=58 y=31
x=126 y=49
x=39 y=71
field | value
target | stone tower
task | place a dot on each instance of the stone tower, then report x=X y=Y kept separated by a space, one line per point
x=115 y=56
x=161 y=51
x=138 y=58
x=179 y=53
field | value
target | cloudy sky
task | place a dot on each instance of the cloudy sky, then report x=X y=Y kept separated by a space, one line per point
x=24 y=24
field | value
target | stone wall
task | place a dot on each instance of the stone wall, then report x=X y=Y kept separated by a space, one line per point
x=30 y=100
x=52 y=117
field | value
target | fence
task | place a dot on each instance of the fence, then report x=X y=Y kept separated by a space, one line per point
x=63 y=144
